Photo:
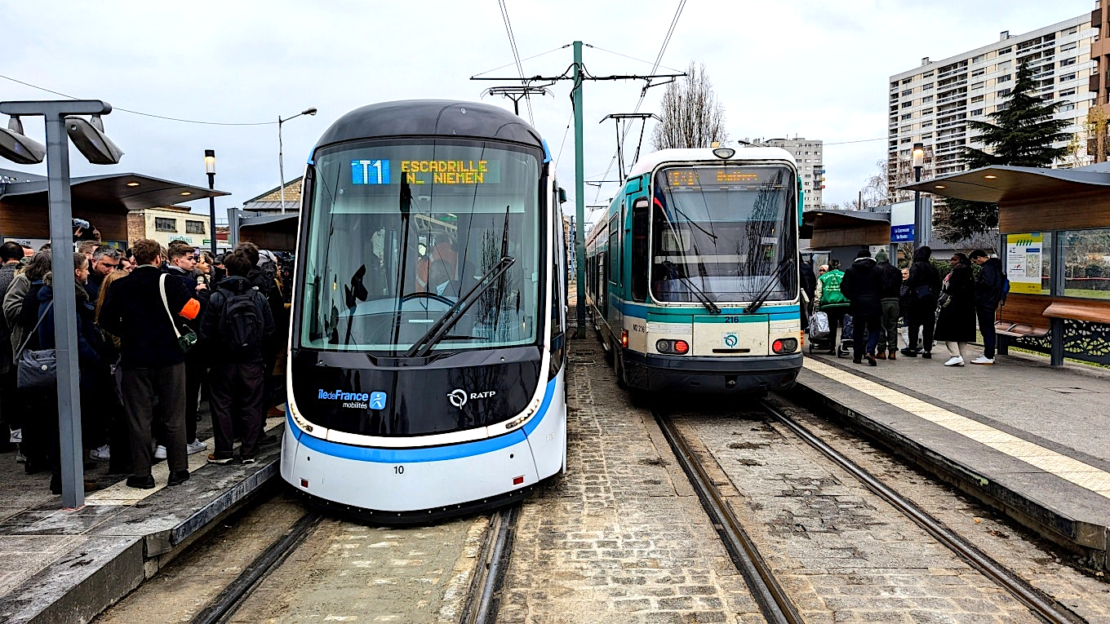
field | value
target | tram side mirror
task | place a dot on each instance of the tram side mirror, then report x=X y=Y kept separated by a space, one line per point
x=562 y=195
x=19 y=148
x=89 y=138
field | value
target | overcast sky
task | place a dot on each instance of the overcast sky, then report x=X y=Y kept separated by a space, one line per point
x=811 y=68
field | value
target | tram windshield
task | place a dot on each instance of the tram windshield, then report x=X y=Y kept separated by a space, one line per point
x=398 y=234
x=723 y=233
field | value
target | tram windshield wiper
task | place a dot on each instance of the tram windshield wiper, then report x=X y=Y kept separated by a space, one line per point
x=761 y=298
x=704 y=298
x=438 y=331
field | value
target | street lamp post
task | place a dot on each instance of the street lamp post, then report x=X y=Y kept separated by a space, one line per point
x=918 y=218
x=210 y=169
x=281 y=155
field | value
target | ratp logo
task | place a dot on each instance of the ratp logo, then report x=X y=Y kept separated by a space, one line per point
x=731 y=340
x=457 y=398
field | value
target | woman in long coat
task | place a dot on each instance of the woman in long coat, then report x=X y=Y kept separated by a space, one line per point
x=956 y=318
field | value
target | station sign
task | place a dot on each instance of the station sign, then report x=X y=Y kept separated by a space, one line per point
x=902 y=222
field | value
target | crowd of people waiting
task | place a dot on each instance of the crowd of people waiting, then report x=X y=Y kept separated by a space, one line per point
x=879 y=297
x=143 y=368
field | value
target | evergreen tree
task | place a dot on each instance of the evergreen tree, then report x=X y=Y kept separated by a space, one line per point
x=1020 y=133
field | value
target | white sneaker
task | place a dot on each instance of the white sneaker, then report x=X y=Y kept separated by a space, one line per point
x=955 y=360
x=160 y=452
x=196 y=446
x=982 y=359
x=102 y=453
x=16 y=436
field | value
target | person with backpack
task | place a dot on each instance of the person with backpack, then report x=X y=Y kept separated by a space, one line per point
x=830 y=300
x=990 y=290
x=236 y=325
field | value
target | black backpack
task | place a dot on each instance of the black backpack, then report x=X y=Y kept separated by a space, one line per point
x=241 y=323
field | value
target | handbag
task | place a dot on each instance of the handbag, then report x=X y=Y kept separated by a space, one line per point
x=185 y=341
x=923 y=291
x=36 y=369
x=943 y=300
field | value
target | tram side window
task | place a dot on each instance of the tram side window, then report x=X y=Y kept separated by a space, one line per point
x=640 y=249
x=614 y=248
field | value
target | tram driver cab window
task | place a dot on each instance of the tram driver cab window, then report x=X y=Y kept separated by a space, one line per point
x=443 y=249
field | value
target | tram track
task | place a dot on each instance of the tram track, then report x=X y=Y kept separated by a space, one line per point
x=773 y=600
x=232 y=597
x=1041 y=605
x=484 y=590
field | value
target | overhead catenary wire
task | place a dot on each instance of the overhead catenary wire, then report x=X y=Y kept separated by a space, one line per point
x=516 y=57
x=135 y=112
x=643 y=93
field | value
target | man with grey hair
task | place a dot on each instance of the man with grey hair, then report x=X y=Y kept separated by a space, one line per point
x=104 y=260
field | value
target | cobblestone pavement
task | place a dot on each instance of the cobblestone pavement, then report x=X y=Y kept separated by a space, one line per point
x=841 y=552
x=1086 y=593
x=622 y=537
x=349 y=572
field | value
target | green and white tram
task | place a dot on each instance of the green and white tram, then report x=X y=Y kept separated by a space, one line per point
x=692 y=275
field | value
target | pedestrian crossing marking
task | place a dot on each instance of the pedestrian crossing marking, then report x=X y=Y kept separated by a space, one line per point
x=1062 y=466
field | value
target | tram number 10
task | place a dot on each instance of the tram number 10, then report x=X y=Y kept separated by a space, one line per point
x=399 y=470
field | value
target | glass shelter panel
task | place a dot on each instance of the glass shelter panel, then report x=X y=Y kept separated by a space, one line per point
x=1086 y=263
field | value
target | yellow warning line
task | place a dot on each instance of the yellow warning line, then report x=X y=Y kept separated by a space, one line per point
x=1077 y=472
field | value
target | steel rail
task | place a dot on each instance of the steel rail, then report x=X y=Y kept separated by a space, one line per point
x=766 y=590
x=232 y=597
x=1040 y=604
x=489 y=578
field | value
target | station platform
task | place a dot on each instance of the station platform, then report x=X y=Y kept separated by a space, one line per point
x=62 y=566
x=1027 y=439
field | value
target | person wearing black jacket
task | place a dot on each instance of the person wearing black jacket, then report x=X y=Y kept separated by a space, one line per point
x=182 y=261
x=151 y=360
x=924 y=288
x=988 y=294
x=862 y=287
x=237 y=380
x=956 y=312
x=890 y=287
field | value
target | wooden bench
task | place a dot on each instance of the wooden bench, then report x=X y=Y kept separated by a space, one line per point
x=1080 y=310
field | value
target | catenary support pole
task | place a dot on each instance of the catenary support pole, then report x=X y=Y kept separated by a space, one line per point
x=579 y=193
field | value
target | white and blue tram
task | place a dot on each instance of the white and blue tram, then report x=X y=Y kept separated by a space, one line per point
x=692 y=274
x=427 y=348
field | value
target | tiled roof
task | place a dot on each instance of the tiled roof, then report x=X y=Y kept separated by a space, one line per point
x=292 y=195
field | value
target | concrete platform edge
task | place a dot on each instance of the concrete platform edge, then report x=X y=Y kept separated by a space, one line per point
x=1084 y=538
x=77 y=588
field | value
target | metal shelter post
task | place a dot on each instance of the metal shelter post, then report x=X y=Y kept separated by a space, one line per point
x=65 y=302
x=579 y=193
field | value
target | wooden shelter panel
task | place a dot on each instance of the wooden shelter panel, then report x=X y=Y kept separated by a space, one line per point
x=274 y=240
x=33 y=222
x=871 y=234
x=1067 y=212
